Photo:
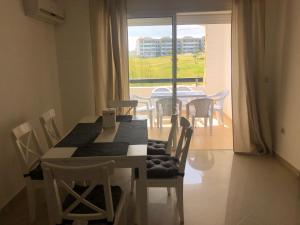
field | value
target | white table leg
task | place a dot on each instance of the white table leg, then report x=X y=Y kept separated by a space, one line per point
x=53 y=217
x=142 y=196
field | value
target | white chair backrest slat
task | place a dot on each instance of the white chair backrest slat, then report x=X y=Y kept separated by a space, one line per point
x=185 y=149
x=60 y=178
x=172 y=133
x=183 y=143
x=184 y=125
x=50 y=127
x=28 y=145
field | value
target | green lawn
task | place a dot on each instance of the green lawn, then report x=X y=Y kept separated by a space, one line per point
x=189 y=65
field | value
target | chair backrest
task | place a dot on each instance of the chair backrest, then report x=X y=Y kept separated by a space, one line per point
x=183 y=143
x=142 y=101
x=220 y=97
x=202 y=106
x=183 y=88
x=172 y=133
x=28 y=145
x=123 y=104
x=164 y=106
x=161 y=89
x=50 y=128
x=59 y=180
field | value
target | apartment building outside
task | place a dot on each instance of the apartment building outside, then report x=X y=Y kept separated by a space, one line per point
x=152 y=47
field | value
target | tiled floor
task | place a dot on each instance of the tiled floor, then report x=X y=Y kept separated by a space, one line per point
x=220 y=189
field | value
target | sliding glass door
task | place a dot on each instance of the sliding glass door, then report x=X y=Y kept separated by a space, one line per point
x=151 y=68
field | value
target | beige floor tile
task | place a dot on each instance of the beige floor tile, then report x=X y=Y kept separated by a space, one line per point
x=220 y=189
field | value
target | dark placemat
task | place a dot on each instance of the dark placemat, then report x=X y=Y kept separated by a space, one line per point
x=102 y=149
x=134 y=132
x=82 y=134
x=119 y=118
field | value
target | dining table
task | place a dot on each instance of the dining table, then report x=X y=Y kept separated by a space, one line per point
x=72 y=150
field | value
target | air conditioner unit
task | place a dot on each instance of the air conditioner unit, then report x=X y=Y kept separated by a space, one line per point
x=51 y=11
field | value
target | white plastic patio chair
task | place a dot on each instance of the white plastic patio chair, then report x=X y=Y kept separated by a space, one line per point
x=161 y=90
x=49 y=125
x=119 y=105
x=144 y=106
x=218 y=107
x=96 y=201
x=164 y=108
x=183 y=88
x=172 y=175
x=201 y=108
x=29 y=154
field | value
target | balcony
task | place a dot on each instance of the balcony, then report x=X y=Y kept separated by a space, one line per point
x=221 y=137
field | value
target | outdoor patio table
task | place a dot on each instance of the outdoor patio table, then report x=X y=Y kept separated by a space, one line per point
x=180 y=94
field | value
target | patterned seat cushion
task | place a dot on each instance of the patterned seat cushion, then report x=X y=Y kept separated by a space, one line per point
x=161 y=167
x=156 y=147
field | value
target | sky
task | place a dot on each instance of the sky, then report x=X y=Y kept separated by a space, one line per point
x=135 y=32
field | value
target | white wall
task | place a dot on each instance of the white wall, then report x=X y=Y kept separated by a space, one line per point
x=28 y=85
x=283 y=35
x=75 y=63
x=218 y=62
x=147 y=8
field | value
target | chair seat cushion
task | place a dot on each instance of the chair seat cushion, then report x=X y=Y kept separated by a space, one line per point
x=96 y=197
x=156 y=147
x=36 y=174
x=161 y=167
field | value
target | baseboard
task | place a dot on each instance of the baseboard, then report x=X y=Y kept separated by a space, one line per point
x=288 y=165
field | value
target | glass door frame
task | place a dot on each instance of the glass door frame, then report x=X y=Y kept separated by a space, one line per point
x=173 y=18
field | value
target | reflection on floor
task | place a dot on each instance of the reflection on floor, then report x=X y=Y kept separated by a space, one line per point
x=220 y=189
x=221 y=137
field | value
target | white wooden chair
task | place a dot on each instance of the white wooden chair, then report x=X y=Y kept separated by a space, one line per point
x=119 y=105
x=218 y=107
x=49 y=125
x=159 y=147
x=97 y=201
x=144 y=106
x=29 y=154
x=201 y=108
x=173 y=174
x=164 y=108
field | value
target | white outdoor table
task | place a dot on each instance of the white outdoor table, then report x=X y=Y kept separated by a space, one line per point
x=135 y=158
x=180 y=94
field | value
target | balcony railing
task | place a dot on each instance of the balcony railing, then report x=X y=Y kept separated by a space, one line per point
x=166 y=80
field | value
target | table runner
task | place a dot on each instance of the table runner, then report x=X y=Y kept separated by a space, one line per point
x=102 y=149
x=84 y=134
x=134 y=132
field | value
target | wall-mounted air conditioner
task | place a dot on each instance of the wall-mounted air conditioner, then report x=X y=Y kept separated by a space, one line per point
x=51 y=11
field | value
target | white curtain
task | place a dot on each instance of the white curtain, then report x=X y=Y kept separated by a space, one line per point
x=249 y=80
x=108 y=19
